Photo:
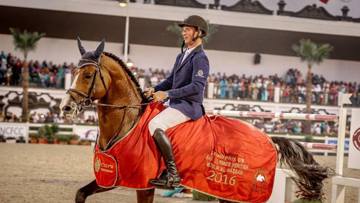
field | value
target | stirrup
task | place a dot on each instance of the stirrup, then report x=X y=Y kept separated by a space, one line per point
x=170 y=182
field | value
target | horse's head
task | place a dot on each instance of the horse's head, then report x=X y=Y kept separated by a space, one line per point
x=90 y=83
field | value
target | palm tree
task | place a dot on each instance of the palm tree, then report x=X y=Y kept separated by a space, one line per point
x=25 y=42
x=174 y=28
x=311 y=53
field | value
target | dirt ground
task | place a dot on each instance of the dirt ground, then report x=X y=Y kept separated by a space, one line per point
x=53 y=173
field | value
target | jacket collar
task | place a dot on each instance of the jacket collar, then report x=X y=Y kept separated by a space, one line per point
x=197 y=49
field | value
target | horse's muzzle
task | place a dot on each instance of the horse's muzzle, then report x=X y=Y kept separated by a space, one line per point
x=67 y=109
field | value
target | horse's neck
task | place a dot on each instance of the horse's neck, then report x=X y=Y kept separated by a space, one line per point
x=117 y=121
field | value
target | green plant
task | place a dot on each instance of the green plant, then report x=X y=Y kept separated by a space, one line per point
x=201 y=196
x=25 y=42
x=308 y=138
x=48 y=132
x=74 y=137
x=63 y=138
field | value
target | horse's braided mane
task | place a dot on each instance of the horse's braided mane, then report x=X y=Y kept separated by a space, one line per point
x=129 y=73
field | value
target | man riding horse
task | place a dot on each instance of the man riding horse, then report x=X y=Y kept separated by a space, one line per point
x=225 y=158
x=185 y=88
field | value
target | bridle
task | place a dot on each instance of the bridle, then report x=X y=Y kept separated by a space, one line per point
x=86 y=98
x=87 y=101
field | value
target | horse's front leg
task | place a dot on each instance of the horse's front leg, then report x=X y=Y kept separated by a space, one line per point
x=88 y=190
x=145 y=196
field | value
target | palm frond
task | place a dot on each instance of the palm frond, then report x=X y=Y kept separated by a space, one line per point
x=311 y=52
x=175 y=29
x=25 y=41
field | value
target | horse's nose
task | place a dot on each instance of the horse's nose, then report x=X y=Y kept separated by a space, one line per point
x=66 y=109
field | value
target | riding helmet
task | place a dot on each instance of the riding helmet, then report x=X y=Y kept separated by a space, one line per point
x=197 y=22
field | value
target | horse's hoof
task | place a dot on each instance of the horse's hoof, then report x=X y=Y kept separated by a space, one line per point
x=80 y=197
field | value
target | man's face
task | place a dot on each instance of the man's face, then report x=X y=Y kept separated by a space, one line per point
x=188 y=33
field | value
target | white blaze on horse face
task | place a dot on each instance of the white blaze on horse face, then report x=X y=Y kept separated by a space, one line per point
x=65 y=101
x=73 y=85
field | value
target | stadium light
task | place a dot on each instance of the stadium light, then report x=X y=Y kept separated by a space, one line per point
x=129 y=63
x=123 y=3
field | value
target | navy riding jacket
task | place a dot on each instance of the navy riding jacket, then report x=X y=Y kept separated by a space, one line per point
x=186 y=83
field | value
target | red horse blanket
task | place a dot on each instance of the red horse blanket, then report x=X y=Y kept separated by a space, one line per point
x=219 y=156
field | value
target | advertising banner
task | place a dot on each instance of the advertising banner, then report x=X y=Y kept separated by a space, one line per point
x=354 y=149
x=14 y=130
x=86 y=132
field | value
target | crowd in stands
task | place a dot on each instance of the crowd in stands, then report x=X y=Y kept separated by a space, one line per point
x=295 y=127
x=41 y=74
x=288 y=88
x=291 y=87
x=49 y=117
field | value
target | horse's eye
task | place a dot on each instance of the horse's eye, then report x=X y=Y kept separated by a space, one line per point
x=88 y=76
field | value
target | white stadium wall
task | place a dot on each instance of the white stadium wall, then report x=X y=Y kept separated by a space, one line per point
x=61 y=50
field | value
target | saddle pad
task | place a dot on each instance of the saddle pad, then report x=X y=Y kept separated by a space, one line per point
x=223 y=157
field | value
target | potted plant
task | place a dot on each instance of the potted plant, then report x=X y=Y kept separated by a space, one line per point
x=85 y=142
x=33 y=138
x=2 y=138
x=21 y=140
x=75 y=139
x=62 y=139
x=47 y=133
x=11 y=140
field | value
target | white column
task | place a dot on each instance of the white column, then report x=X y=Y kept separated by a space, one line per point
x=210 y=90
x=338 y=191
x=277 y=94
x=67 y=81
x=126 y=41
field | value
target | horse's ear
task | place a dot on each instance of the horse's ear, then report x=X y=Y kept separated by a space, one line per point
x=81 y=48
x=100 y=49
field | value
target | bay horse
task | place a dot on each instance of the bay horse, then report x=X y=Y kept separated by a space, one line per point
x=103 y=77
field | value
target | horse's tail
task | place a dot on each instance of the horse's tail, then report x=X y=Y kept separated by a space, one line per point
x=310 y=174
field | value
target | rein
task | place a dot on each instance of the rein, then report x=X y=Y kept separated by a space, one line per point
x=123 y=106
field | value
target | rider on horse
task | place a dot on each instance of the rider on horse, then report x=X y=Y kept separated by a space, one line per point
x=185 y=88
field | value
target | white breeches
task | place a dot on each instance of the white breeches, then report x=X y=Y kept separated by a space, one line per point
x=166 y=119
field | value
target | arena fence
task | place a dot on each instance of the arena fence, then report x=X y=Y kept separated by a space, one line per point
x=339 y=182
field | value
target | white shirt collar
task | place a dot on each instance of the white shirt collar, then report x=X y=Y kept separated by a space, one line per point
x=188 y=51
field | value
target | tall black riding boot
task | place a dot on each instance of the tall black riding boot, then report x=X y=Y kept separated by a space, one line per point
x=172 y=178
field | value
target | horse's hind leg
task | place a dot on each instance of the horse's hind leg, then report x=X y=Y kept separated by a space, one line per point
x=145 y=196
x=88 y=190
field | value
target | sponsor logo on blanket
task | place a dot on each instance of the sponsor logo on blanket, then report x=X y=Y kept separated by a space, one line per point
x=259 y=181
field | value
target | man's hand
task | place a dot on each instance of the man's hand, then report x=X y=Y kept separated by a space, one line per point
x=149 y=92
x=160 y=96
